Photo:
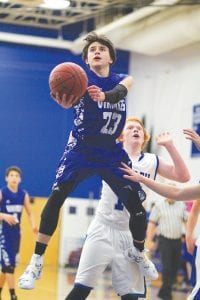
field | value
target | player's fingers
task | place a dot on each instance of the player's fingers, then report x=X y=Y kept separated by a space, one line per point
x=126 y=169
x=91 y=87
x=188 y=130
x=125 y=165
x=53 y=95
x=56 y=97
x=73 y=99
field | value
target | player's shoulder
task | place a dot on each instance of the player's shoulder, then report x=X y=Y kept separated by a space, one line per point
x=22 y=192
x=119 y=76
x=150 y=156
x=4 y=190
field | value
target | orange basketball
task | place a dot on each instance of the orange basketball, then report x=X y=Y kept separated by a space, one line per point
x=68 y=78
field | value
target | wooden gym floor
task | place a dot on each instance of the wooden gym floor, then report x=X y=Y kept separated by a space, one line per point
x=56 y=283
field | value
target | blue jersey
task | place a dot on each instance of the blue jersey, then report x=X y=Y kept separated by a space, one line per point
x=11 y=203
x=100 y=123
x=92 y=149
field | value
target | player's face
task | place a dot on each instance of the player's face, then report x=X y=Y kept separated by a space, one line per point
x=98 y=56
x=13 y=178
x=133 y=133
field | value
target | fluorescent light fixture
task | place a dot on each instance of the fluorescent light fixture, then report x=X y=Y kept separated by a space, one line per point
x=55 y=4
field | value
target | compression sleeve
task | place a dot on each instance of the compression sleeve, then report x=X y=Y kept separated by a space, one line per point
x=116 y=94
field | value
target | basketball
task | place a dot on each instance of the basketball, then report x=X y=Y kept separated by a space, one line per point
x=70 y=79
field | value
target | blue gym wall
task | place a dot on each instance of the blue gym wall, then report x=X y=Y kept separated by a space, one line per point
x=33 y=128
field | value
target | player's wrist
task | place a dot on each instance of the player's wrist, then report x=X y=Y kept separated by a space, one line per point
x=103 y=96
x=169 y=145
x=141 y=178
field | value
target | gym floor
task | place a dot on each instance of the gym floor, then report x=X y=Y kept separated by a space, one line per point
x=56 y=283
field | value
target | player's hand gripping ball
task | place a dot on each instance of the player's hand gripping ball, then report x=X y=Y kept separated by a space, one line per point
x=68 y=83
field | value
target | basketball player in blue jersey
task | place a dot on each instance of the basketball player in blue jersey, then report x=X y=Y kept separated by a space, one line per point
x=12 y=201
x=109 y=235
x=99 y=118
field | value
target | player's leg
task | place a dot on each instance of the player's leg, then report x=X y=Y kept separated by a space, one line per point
x=166 y=254
x=130 y=196
x=129 y=193
x=2 y=281
x=9 y=248
x=97 y=253
x=127 y=280
x=72 y=170
x=129 y=297
x=137 y=225
x=49 y=219
x=79 y=292
x=8 y=270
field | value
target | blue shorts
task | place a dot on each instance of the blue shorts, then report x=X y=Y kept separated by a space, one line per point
x=82 y=161
x=9 y=248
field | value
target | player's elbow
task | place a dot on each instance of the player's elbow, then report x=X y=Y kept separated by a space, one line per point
x=185 y=177
x=127 y=82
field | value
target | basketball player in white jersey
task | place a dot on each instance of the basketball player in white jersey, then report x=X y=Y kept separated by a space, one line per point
x=181 y=194
x=108 y=239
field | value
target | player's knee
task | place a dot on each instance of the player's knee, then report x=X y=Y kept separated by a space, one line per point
x=57 y=199
x=50 y=213
x=8 y=269
x=79 y=292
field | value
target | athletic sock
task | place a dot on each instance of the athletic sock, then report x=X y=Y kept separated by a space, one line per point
x=129 y=297
x=78 y=292
x=12 y=294
x=139 y=246
x=40 y=248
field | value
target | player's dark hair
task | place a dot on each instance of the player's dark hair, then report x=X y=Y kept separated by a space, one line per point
x=13 y=168
x=102 y=39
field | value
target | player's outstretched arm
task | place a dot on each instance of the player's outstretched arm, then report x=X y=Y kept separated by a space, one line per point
x=177 y=170
x=193 y=136
x=113 y=96
x=168 y=191
x=127 y=82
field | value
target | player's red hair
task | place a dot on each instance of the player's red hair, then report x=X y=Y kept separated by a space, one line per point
x=146 y=134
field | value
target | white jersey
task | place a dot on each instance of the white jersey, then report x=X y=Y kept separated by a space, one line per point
x=110 y=209
x=109 y=236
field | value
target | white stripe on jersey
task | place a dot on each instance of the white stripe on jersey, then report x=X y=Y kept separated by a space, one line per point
x=110 y=208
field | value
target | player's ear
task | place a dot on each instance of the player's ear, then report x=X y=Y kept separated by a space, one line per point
x=110 y=61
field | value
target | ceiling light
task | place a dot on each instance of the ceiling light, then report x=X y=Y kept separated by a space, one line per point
x=58 y=4
x=4 y=1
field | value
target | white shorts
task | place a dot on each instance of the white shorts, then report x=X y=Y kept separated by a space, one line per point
x=105 y=246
